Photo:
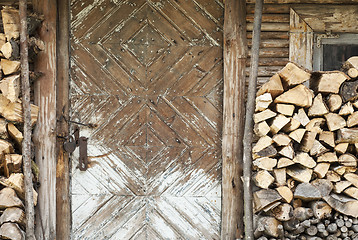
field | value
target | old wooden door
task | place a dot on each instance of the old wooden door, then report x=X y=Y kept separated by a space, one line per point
x=148 y=74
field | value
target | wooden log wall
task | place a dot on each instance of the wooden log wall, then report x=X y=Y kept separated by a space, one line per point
x=274 y=48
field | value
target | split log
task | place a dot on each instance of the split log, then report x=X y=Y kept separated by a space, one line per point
x=15 y=133
x=317 y=149
x=300 y=173
x=284 y=162
x=13 y=111
x=291 y=75
x=320 y=209
x=14 y=215
x=340 y=204
x=352 y=178
x=283 y=212
x=285 y=109
x=262 y=143
x=278 y=123
x=347 y=135
x=329 y=82
x=264 y=115
x=11 y=231
x=281 y=139
x=334 y=121
x=348 y=160
x=315 y=125
x=323 y=185
x=352 y=120
x=305 y=160
x=16 y=182
x=307 y=192
x=333 y=176
x=10 y=87
x=321 y=169
x=265 y=163
x=280 y=176
x=9 y=67
x=13 y=163
x=329 y=157
x=5 y=147
x=285 y=193
x=318 y=107
x=3 y=129
x=287 y=151
x=348 y=91
x=273 y=86
x=334 y=102
x=297 y=134
x=261 y=129
x=308 y=141
x=341 y=170
x=11 y=22
x=341 y=148
x=346 y=109
x=302 y=117
x=300 y=96
x=352 y=192
x=263 y=179
x=272 y=227
x=11 y=50
x=263 y=101
x=269 y=151
x=301 y=213
x=341 y=185
x=292 y=125
x=328 y=138
x=8 y=198
x=2 y=39
x=265 y=197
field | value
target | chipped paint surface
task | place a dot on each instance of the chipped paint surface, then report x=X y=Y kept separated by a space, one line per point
x=149 y=75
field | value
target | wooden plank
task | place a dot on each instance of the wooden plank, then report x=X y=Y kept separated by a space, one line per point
x=63 y=208
x=44 y=134
x=234 y=97
x=268 y=8
x=270 y=18
x=268 y=27
x=272 y=43
x=323 y=18
x=301 y=41
x=271 y=35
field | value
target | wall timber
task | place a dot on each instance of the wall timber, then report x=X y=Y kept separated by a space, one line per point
x=274 y=47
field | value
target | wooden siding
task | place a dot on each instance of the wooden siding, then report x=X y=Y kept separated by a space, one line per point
x=275 y=35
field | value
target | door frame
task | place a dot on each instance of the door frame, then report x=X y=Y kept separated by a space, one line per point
x=58 y=209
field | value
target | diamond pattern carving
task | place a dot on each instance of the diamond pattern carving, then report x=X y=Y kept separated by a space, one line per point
x=148 y=73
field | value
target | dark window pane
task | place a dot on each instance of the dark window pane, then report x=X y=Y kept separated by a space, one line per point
x=335 y=55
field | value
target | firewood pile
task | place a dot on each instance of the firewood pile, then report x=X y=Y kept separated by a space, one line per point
x=305 y=154
x=12 y=192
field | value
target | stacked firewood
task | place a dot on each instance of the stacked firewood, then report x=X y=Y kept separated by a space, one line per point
x=304 y=158
x=12 y=192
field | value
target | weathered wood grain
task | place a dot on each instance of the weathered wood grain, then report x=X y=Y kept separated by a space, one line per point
x=301 y=41
x=234 y=97
x=148 y=74
x=45 y=134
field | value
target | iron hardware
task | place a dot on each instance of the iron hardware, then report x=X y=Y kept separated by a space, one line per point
x=83 y=161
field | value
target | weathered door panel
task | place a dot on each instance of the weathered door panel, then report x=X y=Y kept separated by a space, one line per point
x=148 y=74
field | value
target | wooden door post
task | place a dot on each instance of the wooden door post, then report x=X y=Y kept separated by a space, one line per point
x=45 y=131
x=63 y=208
x=235 y=53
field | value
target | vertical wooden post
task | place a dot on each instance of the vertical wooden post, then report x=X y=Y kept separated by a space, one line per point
x=45 y=131
x=235 y=53
x=248 y=133
x=63 y=208
x=26 y=143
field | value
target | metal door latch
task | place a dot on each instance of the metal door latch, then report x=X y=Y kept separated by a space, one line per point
x=72 y=143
